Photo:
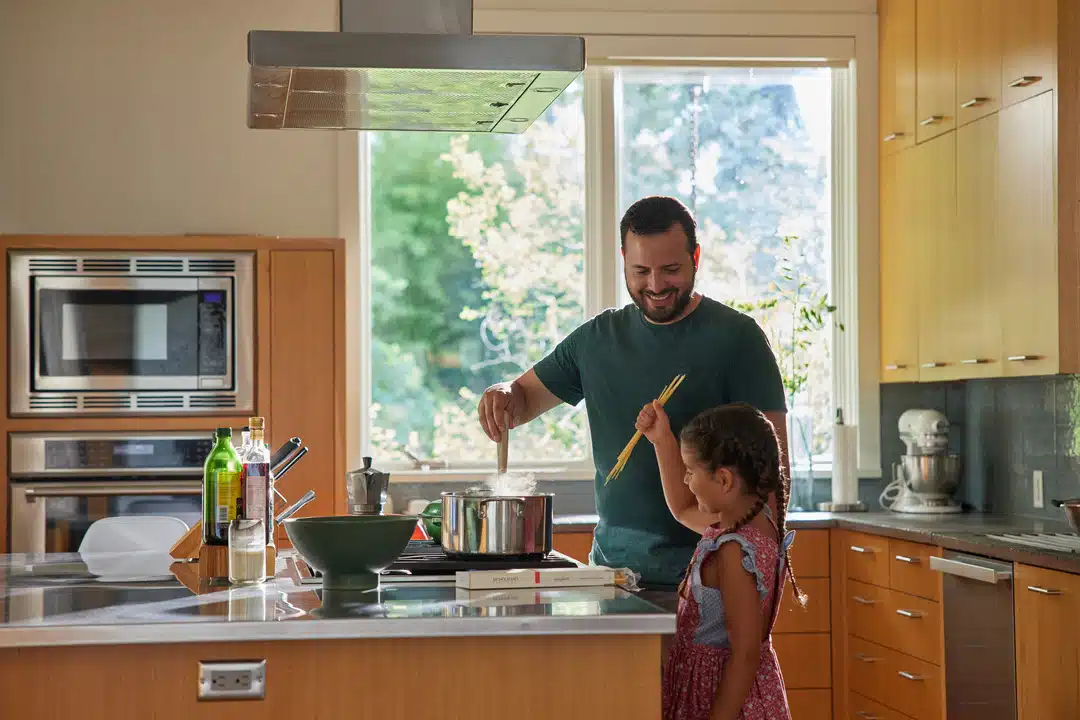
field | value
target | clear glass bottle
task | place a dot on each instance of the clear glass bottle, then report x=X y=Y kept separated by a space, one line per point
x=222 y=490
x=247 y=552
x=257 y=477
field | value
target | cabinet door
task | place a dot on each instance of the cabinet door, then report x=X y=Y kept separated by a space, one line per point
x=1026 y=275
x=1029 y=49
x=978 y=59
x=899 y=270
x=1047 y=645
x=935 y=228
x=974 y=328
x=935 y=67
x=897 y=67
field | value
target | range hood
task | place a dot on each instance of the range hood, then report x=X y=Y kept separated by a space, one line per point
x=406 y=65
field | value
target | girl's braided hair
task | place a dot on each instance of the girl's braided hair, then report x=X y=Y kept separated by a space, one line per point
x=741 y=437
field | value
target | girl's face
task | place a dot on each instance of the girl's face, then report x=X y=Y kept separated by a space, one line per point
x=714 y=490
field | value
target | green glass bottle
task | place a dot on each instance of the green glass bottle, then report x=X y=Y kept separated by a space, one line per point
x=222 y=495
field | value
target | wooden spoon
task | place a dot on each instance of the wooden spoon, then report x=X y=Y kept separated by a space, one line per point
x=504 y=445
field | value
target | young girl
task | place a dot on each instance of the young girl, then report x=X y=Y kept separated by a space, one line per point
x=718 y=483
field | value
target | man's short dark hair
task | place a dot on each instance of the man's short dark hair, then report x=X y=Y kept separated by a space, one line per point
x=657 y=214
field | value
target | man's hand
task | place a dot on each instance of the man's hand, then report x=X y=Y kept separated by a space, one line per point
x=500 y=404
x=653 y=422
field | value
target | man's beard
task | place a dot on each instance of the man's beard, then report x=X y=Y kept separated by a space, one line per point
x=665 y=314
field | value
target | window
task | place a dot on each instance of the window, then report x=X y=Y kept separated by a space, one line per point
x=486 y=250
x=749 y=151
x=477 y=271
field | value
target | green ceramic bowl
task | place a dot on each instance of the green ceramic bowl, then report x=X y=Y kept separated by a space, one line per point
x=350 y=550
x=431 y=516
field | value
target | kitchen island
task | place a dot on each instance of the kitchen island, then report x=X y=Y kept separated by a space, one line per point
x=128 y=642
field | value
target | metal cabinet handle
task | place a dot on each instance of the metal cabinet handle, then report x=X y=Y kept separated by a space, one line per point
x=74 y=489
x=970 y=571
x=892 y=136
x=1042 y=590
x=862 y=600
x=1022 y=358
x=867 y=716
x=908 y=560
x=932 y=120
x=861 y=549
x=913 y=614
x=865 y=658
x=975 y=102
x=891 y=368
x=909 y=676
x=975 y=361
x=1025 y=80
x=933 y=365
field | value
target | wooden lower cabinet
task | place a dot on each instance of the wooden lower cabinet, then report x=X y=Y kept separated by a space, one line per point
x=1046 y=604
x=574 y=545
x=804 y=660
x=810 y=704
x=861 y=708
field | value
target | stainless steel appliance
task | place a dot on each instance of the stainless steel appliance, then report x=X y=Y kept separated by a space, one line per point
x=977 y=611
x=496 y=525
x=61 y=483
x=366 y=489
x=112 y=332
x=1057 y=542
x=928 y=475
x=406 y=65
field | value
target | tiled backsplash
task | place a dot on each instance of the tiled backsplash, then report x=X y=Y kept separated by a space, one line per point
x=1004 y=429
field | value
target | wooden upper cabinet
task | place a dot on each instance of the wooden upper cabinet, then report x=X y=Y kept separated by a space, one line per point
x=978 y=59
x=897 y=67
x=1047 y=645
x=972 y=296
x=1026 y=270
x=899 y=270
x=935 y=230
x=935 y=67
x=1029 y=46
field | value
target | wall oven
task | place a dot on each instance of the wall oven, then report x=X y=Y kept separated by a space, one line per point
x=112 y=333
x=60 y=483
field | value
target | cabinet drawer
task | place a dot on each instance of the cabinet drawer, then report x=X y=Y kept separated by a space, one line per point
x=861 y=708
x=810 y=704
x=909 y=569
x=810 y=554
x=867 y=608
x=867 y=558
x=915 y=627
x=898 y=681
x=814 y=618
x=805 y=660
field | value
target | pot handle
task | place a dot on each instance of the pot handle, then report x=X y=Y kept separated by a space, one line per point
x=519 y=503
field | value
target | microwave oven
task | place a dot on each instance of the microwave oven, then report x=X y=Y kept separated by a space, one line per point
x=131 y=333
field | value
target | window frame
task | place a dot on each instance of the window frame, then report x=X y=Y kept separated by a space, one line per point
x=668 y=39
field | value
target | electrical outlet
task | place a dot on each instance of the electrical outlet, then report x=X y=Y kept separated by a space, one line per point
x=1037 y=489
x=245 y=680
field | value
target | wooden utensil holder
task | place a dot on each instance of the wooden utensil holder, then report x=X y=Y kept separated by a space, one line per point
x=213 y=560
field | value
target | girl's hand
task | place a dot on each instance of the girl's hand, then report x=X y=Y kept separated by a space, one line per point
x=653 y=422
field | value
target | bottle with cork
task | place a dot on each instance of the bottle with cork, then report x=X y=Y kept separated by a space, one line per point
x=256 y=478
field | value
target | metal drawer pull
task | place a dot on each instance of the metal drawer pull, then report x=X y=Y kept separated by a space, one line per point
x=932 y=120
x=970 y=571
x=1025 y=80
x=975 y=102
x=861 y=549
x=1043 y=591
x=867 y=716
x=913 y=614
x=909 y=676
x=1022 y=358
x=933 y=365
x=975 y=361
x=895 y=367
x=908 y=560
x=862 y=600
x=865 y=658
x=892 y=136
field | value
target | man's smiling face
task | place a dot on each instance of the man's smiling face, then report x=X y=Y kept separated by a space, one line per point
x=659 y=270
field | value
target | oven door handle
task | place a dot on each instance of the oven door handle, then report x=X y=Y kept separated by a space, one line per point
x=970 y=571
x=77 y=489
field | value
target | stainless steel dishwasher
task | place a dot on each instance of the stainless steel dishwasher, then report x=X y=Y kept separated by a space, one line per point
x=977 y=611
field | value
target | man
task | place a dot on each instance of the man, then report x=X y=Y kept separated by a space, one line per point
x=621 y=360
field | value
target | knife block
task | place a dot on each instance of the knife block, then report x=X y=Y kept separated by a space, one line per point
x=213 y=560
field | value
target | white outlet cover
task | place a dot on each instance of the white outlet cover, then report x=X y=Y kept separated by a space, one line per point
x=1037 y=489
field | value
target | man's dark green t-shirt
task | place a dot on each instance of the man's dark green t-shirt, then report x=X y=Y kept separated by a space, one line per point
x=619 y=361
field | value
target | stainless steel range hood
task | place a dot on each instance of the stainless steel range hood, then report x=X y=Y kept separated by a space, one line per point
x=406 y=65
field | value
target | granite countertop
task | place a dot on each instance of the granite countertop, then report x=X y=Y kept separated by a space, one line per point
x=965 y=532
x=133 y=598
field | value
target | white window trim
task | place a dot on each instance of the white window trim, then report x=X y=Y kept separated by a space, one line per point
x=854 y=168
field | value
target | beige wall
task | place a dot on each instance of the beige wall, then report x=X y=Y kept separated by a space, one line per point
x=129 y=117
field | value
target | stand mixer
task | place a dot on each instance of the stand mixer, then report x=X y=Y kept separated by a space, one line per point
x=928 y=475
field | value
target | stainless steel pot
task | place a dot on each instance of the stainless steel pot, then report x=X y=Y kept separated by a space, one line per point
x=496 y=525
x=1072 y=512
